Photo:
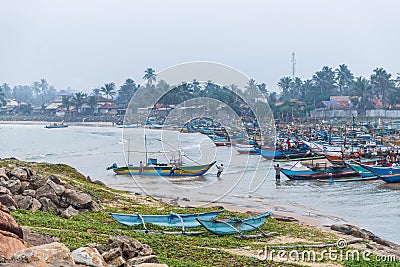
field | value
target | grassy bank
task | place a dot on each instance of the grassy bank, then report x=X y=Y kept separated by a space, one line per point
x=175 y=250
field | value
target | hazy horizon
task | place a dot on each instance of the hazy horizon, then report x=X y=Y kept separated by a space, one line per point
x=84 y=44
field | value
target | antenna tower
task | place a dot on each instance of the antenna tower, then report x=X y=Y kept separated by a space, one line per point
x=293 y=65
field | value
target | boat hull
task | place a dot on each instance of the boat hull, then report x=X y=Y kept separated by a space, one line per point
x=165 y=170
x=234 y=225
x=168 y=220
x=393 y=178
x=319 y=174
x=379 y=171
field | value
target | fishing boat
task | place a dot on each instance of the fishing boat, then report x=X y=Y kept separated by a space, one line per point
x=382 y=170
x=350 y=179
x=168 y=220
x=134 y=125
x=273 y=153
x=300 y=159
x=390 y=178
x=320 y=173
x=160 y=169
x=56 y=125
x=234 y=225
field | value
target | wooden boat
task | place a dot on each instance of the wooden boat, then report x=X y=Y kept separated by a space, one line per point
x=300 y=159
x=168 y=220
x=390 y=178
x=234 y=225
x=135 y=125
x=153 y=168
x=349 y=179
x=272 y=153
x=382 y=170
x=56 y=125
x=327 y=173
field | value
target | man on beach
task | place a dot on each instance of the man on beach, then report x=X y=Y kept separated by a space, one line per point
x=277 y=172
x=220 y=170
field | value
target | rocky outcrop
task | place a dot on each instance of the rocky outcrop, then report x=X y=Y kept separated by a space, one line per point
x=88 y=256
x=47 y=253
x=10 y=243
x=22 y=188
x=8 y=223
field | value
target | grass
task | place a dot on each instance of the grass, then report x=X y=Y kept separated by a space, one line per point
x=174 y=250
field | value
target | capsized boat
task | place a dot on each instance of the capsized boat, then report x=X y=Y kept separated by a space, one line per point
x=167 y=220
x=153 y=169
x=234 y=225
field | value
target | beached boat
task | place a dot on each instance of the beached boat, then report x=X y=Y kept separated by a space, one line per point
x=134 y=125
x=300 y=159
x=56 y=125
x=390 y=178
x=167 y=220
x=382 y=170
x=327 y=173
x=273 y=153
x=234 y=225
x=158 y=169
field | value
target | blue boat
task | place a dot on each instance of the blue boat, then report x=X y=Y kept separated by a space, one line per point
x=169 y=220
x=381 y=170
x=390 y=178
x=271 y=153
x=55 y=125
x=234 y=225
x=327 y=173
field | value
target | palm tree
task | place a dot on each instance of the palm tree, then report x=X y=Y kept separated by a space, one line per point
x=262 y=87
x=96 y=92
x=284 y=84
x=66 y=102
x=381 y=82
x=295 y=88
x=363 y=93
x=2 y=100
x=92 y=102
x=324 y=80
x=78 y=100
x=150 y=76
x=108 y=89
x=126 y=91
x=44 y=86
x=344 y=78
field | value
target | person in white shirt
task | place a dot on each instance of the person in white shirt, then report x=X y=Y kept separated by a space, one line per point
x=220 y=170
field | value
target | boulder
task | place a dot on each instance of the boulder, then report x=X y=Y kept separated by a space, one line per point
x=36 y=205
x=59 y=189
x=29 y=171
x=8 y=201
x=24 y=186
x=37 y=239
x=9 y=244
x=4 y=190
x=48 y=205
x=119 y=261
x=144 y=259
x=37 y=181
x=29 y=192
x=112 y=254
x=68 y=212
x=88 y=256
x=349 y=229
x=13 y=185
x=48 y=253
x=3 y=174
x=77 y=199
x=20 y=173
x=48 y=192
x=146 y=250
x=23 y=202
x=9 y=224
x=4 y=208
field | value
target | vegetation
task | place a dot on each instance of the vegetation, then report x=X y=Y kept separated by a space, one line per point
x=175 y=250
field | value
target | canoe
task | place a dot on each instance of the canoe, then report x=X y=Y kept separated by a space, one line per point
x=390 y=178
x=380 y=170
x=349 y=179
x=168 y=220
x=319 y=174
x=135 y=125
x=52 y=126
x=234 y=225
x=163 y=170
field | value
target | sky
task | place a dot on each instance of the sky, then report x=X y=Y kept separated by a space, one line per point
x=85 y=44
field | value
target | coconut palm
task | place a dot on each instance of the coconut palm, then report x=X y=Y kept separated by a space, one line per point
x=363 y=94
x=344 y=79
x=126 y=91
x=324 y=80
x=66 y=102
x=92 y=102
x=150 y=76
x=78 y=100
x=108 y=89
x=2 y=100
x=284 y=84
x=381 y=82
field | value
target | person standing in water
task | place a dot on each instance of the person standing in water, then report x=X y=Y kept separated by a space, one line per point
x=277 y=172
x=220 y=170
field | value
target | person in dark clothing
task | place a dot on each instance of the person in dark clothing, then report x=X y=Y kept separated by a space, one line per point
x=277 y=172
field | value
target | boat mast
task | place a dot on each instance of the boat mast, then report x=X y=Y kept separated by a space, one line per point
x=145 y=145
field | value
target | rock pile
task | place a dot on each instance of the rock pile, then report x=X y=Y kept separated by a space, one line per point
x=24 y=189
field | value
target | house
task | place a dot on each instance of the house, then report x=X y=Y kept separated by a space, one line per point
x=9 y=107
x=108 y=109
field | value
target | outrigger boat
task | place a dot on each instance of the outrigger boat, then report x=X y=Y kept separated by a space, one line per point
x=235 y=225
x=320 y=173
x=153 y=169
x=55 y=125
x=387 y=174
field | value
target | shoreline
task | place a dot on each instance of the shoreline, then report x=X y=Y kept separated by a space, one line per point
x=98 y=124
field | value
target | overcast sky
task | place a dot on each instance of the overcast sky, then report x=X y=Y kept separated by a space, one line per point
x=86 y=43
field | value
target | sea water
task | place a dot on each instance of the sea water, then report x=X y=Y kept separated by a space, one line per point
x=247 y=181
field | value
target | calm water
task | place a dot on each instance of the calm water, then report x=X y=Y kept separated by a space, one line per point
x=92 y=149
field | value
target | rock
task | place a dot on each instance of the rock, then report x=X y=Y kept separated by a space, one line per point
x=349 y=229
x=29 y=192
x=13 y=185
x=3 y=174
x=94 y=206
x=120 y=261
x=29 y=171
x=37 y=239
x=23 y=202
x=4 y=208
x=19 y=173
x=48 y=205
x=54 y=179
x=48 y=192
x=144 y=259
x=112 y=254
x=48 y=253
x=68 y=212
x=8 y=201
x=36 y=205
x=9 y=224
x=24 y=185
x=10 y=243
x=77 y=199
x=59 y=189
x=146 y=250
x=88 y=256
x=37 y=181
x=4 y=190
x=100 y=248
